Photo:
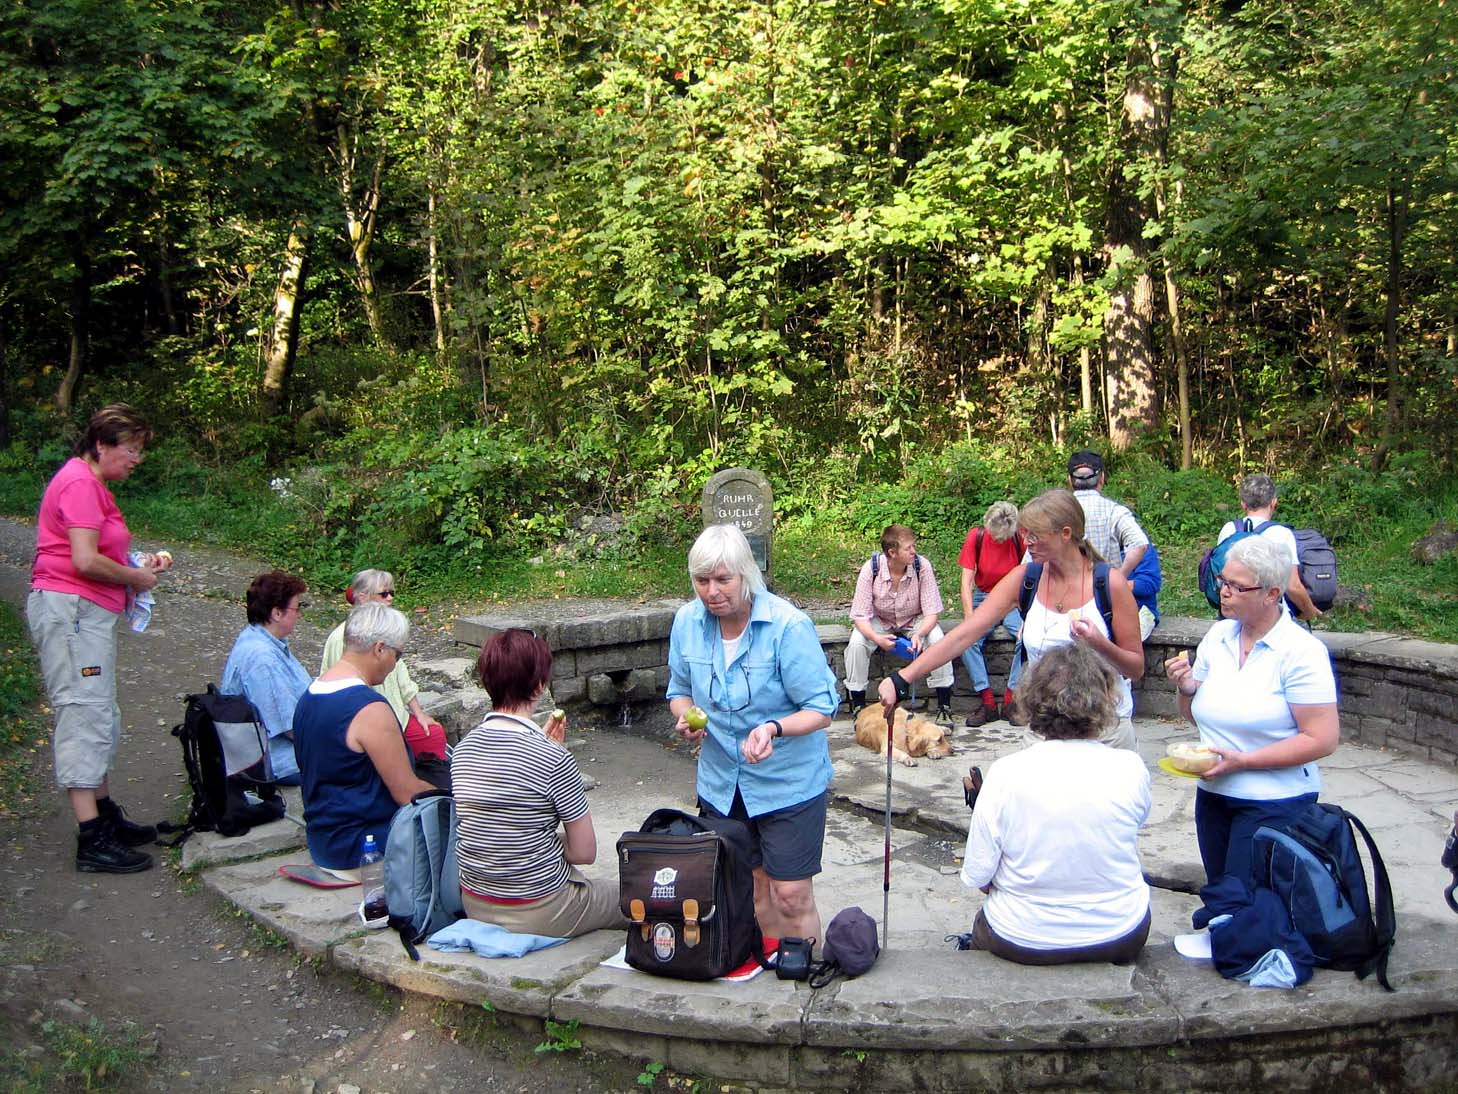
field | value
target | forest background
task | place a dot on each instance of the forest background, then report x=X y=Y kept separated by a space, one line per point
x=483 y=292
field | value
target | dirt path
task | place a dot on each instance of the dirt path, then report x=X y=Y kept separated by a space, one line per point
x=225 y=1006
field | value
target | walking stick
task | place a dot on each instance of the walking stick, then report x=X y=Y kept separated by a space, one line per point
x=886 y=877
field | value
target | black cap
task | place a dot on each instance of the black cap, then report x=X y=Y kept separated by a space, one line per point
x=1085 y=465
x=850 y=941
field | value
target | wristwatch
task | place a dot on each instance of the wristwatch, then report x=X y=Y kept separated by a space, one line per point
x=903 y=689
x=779 y=729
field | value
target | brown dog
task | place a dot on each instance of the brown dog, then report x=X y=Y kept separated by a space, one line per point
x=914 y=736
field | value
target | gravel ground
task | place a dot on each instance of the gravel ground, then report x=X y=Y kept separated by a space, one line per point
x=224 y=1005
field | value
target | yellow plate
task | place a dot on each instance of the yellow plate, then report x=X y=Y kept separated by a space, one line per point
x=1167 y=766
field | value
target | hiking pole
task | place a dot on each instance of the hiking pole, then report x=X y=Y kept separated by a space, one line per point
x=886 y=877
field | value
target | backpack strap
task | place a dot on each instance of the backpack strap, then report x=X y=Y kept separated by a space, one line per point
x=1032 y=573
x=977 y=549
x=1102 y=600
x=1383 y=911
x=875 y=564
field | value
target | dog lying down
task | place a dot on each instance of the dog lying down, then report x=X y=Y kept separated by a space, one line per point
x=914 y=736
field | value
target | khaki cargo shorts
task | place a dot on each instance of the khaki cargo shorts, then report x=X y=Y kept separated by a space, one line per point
x=76 y=642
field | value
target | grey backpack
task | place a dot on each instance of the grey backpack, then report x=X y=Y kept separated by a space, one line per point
x=422 y=877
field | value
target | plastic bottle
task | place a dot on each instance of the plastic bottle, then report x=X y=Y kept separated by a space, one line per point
x=902 y=648
x=372 y=877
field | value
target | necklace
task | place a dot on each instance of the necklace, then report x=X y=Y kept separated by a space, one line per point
x=1058 y=599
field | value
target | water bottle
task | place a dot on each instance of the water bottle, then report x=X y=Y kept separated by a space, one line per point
x=372 y=879
x=902 y=648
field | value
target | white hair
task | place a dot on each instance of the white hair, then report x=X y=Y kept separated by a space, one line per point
x=375 y=622
x=1267 y=563
x=725 y=545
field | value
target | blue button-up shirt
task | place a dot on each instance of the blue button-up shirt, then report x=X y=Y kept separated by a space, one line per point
x=264 y=669
x=778 y=670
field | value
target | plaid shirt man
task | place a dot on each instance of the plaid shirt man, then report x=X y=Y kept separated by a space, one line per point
x=897 y=604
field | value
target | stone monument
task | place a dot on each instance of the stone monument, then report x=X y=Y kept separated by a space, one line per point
x=743 y=498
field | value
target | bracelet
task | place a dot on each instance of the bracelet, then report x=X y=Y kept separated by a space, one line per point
x=903 y=689
x=779 y=729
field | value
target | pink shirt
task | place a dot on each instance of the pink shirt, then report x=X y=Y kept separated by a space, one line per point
x=76 y=498
x=899 y=606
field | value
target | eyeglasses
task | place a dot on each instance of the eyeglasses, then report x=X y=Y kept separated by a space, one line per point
x=398 y=652
x=725 y=689
x=300 y=606
x=386 y=592
x=1225 y=585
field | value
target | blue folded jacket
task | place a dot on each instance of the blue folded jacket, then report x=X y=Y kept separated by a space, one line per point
x=488 y=940
x=1257 y=942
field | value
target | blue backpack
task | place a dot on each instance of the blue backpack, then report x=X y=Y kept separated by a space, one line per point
x=1315 y=561
x=1313 y=865
x=1214 y=561
x=422 y=876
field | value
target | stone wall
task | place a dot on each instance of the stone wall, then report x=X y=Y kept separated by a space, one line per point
x=1396 y=693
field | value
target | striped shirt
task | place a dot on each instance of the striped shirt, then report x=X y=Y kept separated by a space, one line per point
x=1109 y=527
x=898 y=605
x=513 y=787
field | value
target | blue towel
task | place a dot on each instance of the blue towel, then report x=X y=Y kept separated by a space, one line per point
x=139 y=604
x=1251 y=935
x=488 y=940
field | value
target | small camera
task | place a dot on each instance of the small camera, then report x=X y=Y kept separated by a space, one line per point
x=792 y=958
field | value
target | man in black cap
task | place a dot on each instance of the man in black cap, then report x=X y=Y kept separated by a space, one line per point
x=1108 y=526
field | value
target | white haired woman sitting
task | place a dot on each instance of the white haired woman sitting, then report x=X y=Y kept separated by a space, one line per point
x=354 y=767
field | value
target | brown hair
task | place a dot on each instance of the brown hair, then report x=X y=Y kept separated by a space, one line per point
x=895 y=535
x=272 y=590
x=113 y=425
x=514 y=665
x=1068 y=694
x=1051 y=512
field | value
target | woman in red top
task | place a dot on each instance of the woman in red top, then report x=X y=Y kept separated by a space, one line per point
x=991 y=550
x=79 y=587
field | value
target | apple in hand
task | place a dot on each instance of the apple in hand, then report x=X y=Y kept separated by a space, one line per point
x=695 y=718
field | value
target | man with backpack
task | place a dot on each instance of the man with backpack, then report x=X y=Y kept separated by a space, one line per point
x=991 y=550
x=1258 y=500
x=896 y=597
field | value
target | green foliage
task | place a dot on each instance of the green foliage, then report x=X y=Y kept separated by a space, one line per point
x=649 y=1075
x=561 y=1037
x=23 y=732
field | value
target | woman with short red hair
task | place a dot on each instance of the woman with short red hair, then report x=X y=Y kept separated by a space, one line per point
x=525 y=827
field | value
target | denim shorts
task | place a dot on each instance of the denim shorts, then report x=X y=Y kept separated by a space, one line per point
x=787 y=843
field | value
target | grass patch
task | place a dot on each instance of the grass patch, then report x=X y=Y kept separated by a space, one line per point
x=24 y=734
x=67 y=1057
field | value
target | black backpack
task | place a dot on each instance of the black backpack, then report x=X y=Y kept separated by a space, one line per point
x=1313 y=865
x=686 y=884
x=225 y=750
x=1102 y=600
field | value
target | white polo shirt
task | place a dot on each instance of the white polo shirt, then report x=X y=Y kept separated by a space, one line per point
x=1246 y=707
x=1056 y=833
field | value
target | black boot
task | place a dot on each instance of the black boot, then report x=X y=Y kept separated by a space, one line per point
x=98 y=852
x=127 y=833
x=857 y=700
x=944 y=706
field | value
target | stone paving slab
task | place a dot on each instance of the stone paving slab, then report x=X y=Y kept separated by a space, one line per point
x=311 y=919
x=518 y=985
x=287 y=833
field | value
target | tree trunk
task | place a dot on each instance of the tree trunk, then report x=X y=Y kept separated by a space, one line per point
x=1167 y=65
x=361 y=216
x=80 y=334
x=1129 y=320
x=284 y=338
x=1392 y=419
x=437 y=304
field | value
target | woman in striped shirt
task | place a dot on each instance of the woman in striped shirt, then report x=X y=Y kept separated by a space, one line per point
x=524 y=822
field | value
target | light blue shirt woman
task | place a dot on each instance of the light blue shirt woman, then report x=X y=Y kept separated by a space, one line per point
x=778 y=668
x=262 y=667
